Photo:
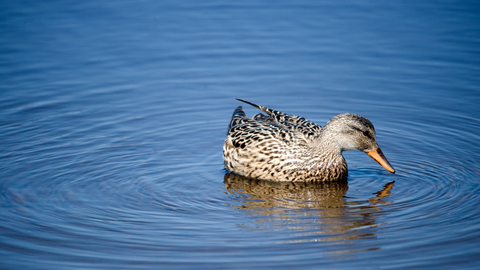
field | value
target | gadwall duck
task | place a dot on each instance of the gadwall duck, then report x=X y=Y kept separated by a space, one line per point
x=283 y=147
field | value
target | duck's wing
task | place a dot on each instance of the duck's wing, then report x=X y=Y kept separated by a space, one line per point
x=290 y=122
x=260 y=149
x=249 y=134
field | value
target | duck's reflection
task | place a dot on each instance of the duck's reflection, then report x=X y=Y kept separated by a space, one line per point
x=316 y=212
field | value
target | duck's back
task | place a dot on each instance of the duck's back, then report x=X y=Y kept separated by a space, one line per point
x=284 y=121
x=268 y=146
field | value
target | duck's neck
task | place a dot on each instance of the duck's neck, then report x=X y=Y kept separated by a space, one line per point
x=328 y=152
x=327 y=145
x=325 y=160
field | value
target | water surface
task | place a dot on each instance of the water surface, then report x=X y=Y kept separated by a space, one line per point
x=113 y=116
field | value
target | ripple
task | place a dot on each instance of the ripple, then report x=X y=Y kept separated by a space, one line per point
x=432 y=190
x=105 y=177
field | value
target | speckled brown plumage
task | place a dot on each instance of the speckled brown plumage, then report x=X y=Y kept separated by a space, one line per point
x=283 y=147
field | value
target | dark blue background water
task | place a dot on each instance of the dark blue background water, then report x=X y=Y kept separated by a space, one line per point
x=113 y=116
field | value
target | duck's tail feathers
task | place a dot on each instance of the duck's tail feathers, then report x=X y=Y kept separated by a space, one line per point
x=237 y=118
x=239 y=113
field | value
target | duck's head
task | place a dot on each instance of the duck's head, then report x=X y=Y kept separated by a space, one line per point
x=350 y=131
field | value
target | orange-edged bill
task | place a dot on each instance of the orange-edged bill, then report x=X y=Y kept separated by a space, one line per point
x=378 y=156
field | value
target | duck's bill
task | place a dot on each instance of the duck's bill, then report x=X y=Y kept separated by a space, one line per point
x=378 y=156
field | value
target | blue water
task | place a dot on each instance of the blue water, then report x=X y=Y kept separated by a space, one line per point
x=113 y=116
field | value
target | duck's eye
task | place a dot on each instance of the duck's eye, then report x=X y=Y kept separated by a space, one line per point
x=367 y=134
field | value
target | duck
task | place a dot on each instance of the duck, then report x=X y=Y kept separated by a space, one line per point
x=283 y=147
